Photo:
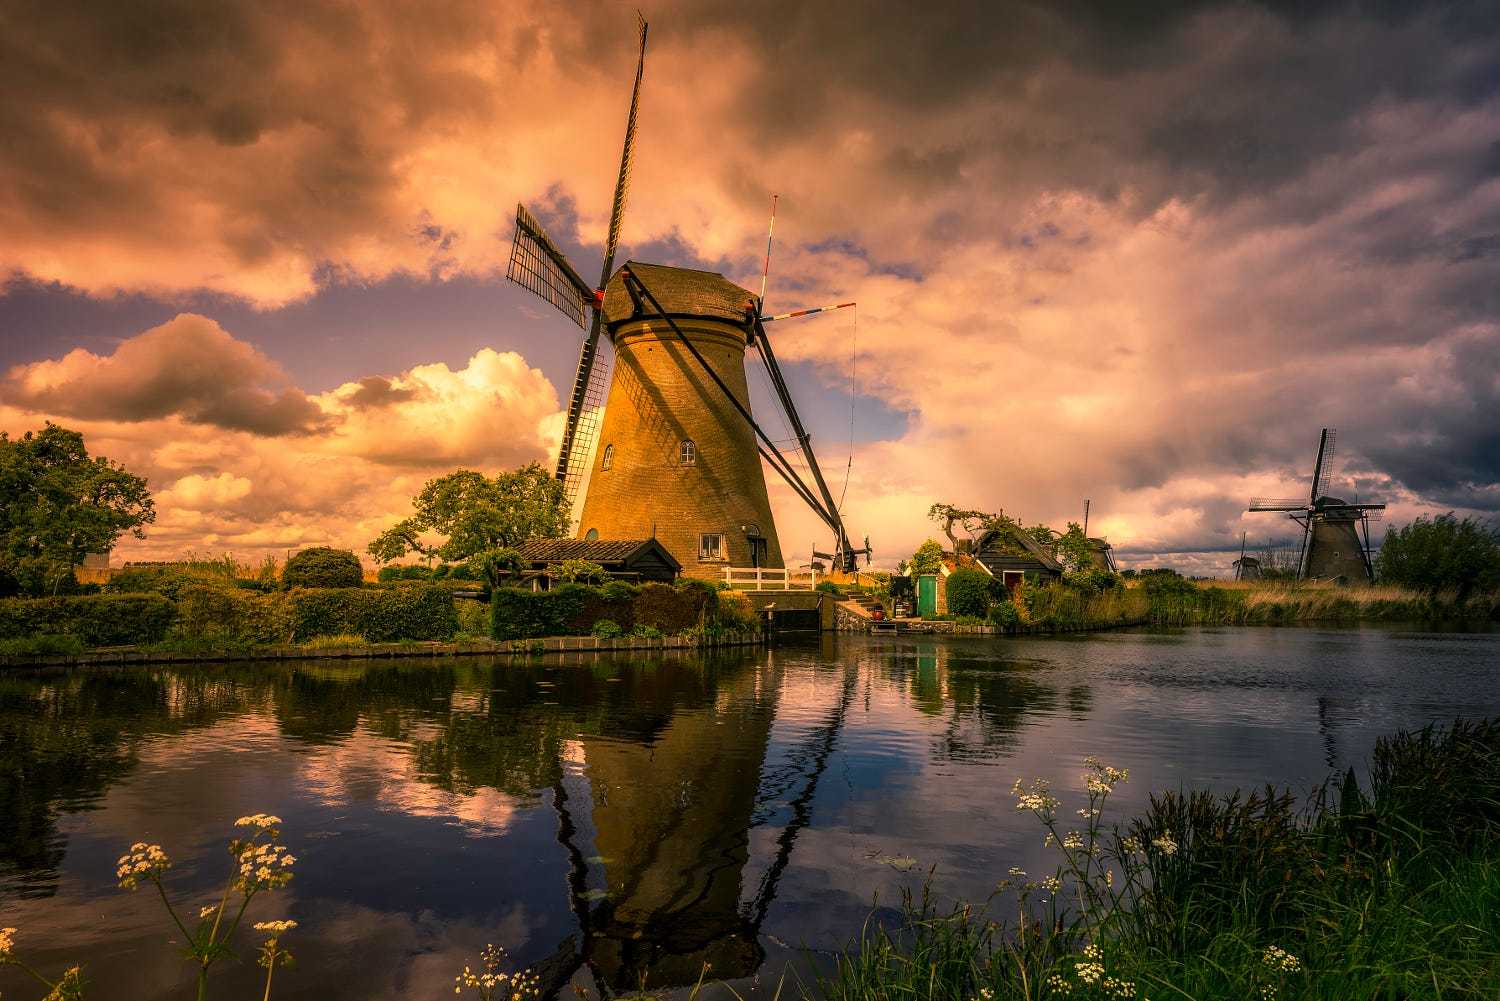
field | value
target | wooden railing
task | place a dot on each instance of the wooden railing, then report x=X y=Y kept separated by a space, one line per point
x=768 y=579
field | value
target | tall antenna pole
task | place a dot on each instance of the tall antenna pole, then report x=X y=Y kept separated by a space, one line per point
x=766 y=271
x=1085 y=517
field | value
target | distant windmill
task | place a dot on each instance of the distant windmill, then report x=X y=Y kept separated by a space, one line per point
x=1335 y=533
x=1246 y=567
x=681 y=451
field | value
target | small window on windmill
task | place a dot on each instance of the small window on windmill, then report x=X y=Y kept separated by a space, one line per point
x=609 y=457
x=711 y=546
x=687 y=455
x=592 y=535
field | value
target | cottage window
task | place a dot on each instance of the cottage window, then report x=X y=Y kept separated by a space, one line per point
x=609 y=457
x=688 y=454
x=711 y=546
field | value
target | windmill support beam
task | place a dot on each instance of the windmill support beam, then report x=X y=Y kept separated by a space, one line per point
x=763 y=345
x=767 y=448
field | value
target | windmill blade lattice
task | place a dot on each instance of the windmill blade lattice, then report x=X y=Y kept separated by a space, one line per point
x=539 y=267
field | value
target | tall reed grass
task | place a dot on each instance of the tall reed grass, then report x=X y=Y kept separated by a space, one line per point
x=1186 y=603
x=1383 y=891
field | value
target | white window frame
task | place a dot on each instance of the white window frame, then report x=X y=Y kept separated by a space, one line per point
x=687 y=453
x=608 y=459
x=718 y=554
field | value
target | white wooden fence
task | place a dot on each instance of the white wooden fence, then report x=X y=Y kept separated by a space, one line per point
x=768 y=579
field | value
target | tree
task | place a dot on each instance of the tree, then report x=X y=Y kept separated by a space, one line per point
x=970 y=520
x=477 y=514
x=58 y=504
x=1073 y=550
x=927 y=559
x=1435 y=554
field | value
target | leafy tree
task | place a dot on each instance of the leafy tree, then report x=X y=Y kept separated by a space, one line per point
x=477 y=514
x=947 y=515
x=57 y=504
x=927 y=559
x=321 y=566
x=1434 y=554
x=494 y=565
x=1072 y=549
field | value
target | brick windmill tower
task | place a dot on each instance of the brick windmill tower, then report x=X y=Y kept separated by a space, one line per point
x=668 y=447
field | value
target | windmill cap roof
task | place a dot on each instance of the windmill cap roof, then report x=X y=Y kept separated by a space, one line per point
x=681 y=292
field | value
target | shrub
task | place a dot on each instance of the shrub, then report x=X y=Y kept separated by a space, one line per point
x=518 y=614
x=322 y=567
x=1431 y=554
x=1004 y=615
x=674 y=609
x=234 y=616
x=473 y=617
x=646 y=632
x=96 y=619
x=968 y=592
x=736 y=613
x=605 y=629
x=164 y=580
x=577 y=572
x=411 y=612
x=618 y=590
x=41 y=646
x=829 y=587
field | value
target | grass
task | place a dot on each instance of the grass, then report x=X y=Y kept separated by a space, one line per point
x=1177 y=602
x=41 y=646
x=1386 y=891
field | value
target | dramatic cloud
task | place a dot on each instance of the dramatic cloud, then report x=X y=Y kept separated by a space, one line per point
x=1139 y=257
x=189 y=367
x=350 y=471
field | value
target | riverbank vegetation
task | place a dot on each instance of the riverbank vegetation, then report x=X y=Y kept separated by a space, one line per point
x=616 y=609
x=1172 y=600
x=1386 y=889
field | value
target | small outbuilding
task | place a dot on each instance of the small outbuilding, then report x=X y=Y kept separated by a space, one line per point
x=1013 y=557
x=634 y=561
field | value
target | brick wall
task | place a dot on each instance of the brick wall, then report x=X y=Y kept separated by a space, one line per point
x=660 y=396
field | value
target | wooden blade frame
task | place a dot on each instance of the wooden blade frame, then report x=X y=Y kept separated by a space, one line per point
x=539 y=267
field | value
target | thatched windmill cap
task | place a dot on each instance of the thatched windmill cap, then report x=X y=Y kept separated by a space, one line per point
x=682 y=292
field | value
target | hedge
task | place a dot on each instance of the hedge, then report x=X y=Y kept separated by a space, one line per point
x=968 y=592
x=574 y=609
x=96 y=619
x=324 y=568
x=410 y=612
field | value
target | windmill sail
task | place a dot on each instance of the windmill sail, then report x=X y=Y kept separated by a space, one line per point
x=1323 y=471
x=538 y=266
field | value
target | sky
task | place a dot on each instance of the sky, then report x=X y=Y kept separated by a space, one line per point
x=1138 y=254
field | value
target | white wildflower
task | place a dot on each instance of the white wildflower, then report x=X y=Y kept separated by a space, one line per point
x=143 y=861
x=1165 y=844
x=7 y=941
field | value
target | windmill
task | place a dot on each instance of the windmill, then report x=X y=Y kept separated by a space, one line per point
x=1335 y=533
x=681 y=452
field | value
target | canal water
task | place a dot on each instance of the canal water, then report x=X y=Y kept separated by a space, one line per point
x=622 y=822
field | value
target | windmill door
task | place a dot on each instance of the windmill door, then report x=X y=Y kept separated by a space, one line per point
x=927 y=595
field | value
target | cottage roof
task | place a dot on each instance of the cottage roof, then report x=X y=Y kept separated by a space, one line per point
x=1025 y=541
x=605 y=552
x=681 y=292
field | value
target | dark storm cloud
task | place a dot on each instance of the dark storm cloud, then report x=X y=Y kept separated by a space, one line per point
x=375 y=391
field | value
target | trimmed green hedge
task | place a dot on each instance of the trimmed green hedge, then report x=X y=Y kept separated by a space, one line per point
x=409 y=612
x=96 y=619
x=324 y=568
x=574 y=609
x=968 y=592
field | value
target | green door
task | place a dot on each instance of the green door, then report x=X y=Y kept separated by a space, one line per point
x=926 y=596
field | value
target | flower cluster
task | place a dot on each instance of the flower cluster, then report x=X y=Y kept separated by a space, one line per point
x=1280 y=960
x=275 y=928
x=1165 y=844
x=1100 y=778
x=143 y=861
x=1059 y=984
x=264 y=821
x=1036 y=797
x=515 y=986
x=271 y=955
x=7 y=942
x=264 y=867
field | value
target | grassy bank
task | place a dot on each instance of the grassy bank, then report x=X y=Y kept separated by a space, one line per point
x=1180 y=602
x=1385 y=891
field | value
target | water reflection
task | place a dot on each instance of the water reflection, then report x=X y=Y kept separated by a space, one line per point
x=626 y=822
